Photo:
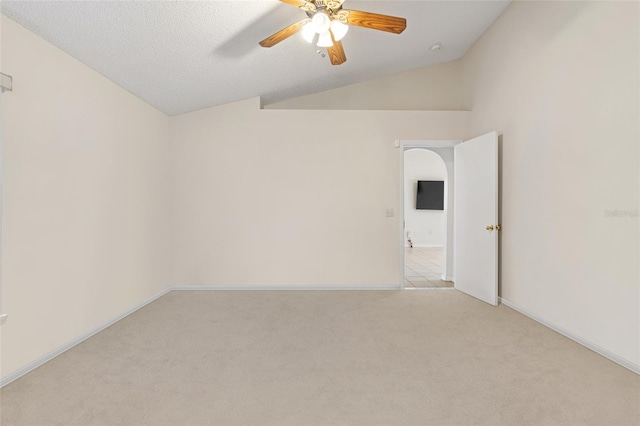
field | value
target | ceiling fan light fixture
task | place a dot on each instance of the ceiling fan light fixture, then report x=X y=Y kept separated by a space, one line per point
x=331 y=22
x=325 y=40
x=309 y=32
x=321 y=22
x=338 y=29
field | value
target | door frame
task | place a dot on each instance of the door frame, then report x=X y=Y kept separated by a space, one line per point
x=404 y=145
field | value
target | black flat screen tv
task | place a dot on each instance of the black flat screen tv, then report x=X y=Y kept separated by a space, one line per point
x=430 y=195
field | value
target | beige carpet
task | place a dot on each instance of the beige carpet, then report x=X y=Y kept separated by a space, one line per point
x=321 y=358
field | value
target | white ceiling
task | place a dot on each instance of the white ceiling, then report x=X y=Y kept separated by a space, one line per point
x=182 y=56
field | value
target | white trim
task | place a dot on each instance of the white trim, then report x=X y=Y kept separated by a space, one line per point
x=447 y=278
x=605 y=353
x=48 y=357
x=266 y=288
x=3 y=316
x=423 y=143
x=429 y=288
x=425 y=246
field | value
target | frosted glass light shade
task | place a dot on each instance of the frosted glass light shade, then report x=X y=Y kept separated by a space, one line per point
x=309 y=32
x=325 y=40
x=321 y=22
x=339 y=30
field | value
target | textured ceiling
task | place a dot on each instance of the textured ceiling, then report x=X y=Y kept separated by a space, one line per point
x=182 y=56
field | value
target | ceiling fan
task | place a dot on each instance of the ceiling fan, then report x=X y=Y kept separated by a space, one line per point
x=327 y=23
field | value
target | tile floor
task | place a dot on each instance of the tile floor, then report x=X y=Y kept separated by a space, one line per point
x=423 y=267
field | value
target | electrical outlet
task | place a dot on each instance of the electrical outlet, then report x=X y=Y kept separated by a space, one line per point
x=388 y=213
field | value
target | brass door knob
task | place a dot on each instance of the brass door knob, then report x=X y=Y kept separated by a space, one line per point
x=489 y=228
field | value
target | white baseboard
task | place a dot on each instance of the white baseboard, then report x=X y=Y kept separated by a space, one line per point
x=429 y=288
x=48 y=357
x=605 y=353
x=259 y=288
x=449 y=278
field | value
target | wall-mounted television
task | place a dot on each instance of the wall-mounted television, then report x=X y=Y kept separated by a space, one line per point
x=430 y=195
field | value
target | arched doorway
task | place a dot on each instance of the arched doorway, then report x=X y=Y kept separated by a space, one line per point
x=425 y=218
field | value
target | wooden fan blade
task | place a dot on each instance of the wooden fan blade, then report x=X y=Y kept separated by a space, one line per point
x=283 y=34
x=375 y=21
x=294 y=3
x=336 y=52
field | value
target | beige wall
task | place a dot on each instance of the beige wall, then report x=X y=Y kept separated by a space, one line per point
x=284 y=198
x=436 y=88
x=560 y=82
x=292 y=198
x=85 y=191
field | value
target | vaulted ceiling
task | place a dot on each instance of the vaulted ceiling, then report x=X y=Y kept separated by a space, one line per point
x=182 y=56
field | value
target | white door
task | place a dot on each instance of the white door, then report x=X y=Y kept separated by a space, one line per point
x=476 y=217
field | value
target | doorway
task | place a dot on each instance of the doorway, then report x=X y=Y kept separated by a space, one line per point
x=476 y=218
x=427 y=230
x=423 y=268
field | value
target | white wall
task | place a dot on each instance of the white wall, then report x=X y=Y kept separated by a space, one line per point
x=560 y=82
x=447 y=156
x=265 y=199
x=434 y=88
x=85 y=199
x=427 y=227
